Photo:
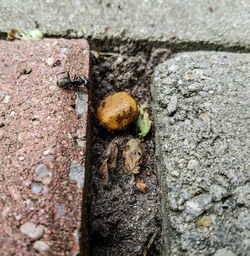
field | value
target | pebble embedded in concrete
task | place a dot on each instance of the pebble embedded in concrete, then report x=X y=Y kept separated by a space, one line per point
x=41 y=171
x=81 y=143
x=41 y=246
x=79 y=134
x=32 y=231
x=218 y=192
x=242 y=194
x=192 y=164
x=224 y=252
x=77 y=173
x=172 y=106
x=36 y=188
x=198 y=205
x=81 y=104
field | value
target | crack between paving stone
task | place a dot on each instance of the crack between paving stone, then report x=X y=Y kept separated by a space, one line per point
x=173 y=44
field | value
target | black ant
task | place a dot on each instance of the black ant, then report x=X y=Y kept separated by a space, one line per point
x=67 y=83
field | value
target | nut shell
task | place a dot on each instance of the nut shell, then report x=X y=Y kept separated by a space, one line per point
x=117 y=111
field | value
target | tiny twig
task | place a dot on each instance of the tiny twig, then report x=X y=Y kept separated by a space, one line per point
x=109 y=54
x=150 y=242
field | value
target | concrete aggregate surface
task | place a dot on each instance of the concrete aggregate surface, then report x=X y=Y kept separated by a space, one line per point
x=174 y=21
x=203 y=152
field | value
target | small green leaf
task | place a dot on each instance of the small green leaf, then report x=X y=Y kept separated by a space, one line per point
x=143 y=122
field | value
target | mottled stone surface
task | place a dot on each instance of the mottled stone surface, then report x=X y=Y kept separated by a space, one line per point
x=202 y=118
x=38 y=133
x=175 y=22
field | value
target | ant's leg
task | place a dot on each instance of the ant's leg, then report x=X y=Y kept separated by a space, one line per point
x=86 y=82
x=68 y=75
x=62 y=72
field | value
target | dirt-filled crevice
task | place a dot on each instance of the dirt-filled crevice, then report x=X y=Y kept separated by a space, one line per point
x=122 y=219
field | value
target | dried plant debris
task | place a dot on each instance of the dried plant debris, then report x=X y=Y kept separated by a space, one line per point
x=32 y=34
x=150 y=242
x=113 y=156
x=132 y=154
x=143 y=122
x=140 y=184
x=110 y=160
x=12 y=34
x=112 y=229
x=104 y=54
x=95 y=54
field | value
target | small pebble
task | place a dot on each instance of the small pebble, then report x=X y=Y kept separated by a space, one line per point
x=198 y=204
x=224 y=252
x=32 y=231
x=36 y=188
x=79 y=134
x=50 y=61
x=173 y=68
x=192 y=164
x=172 y=106
x=6 y=99
x=80 y=143
x=41 y=171
x=205 y=65
x=12 y=113
x=81 y=104
x=18 y=217
x=118 y=61
x=218 y=192
x=194 y=87
x=41 y=246
x=46 y=152
x=77 y=173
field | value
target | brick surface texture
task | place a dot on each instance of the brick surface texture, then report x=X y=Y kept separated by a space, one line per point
x=38 y=144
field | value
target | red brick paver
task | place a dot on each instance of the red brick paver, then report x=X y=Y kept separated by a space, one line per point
x=42 y=146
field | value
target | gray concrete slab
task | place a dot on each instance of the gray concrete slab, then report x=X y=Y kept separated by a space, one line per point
x=202 y=119
x=214 y=22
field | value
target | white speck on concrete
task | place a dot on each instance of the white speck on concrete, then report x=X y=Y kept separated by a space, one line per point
x=46 y=152
x=21 y=158
x=6 y=99
x=50 y=61
x=173 y=68
x=80 y=143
